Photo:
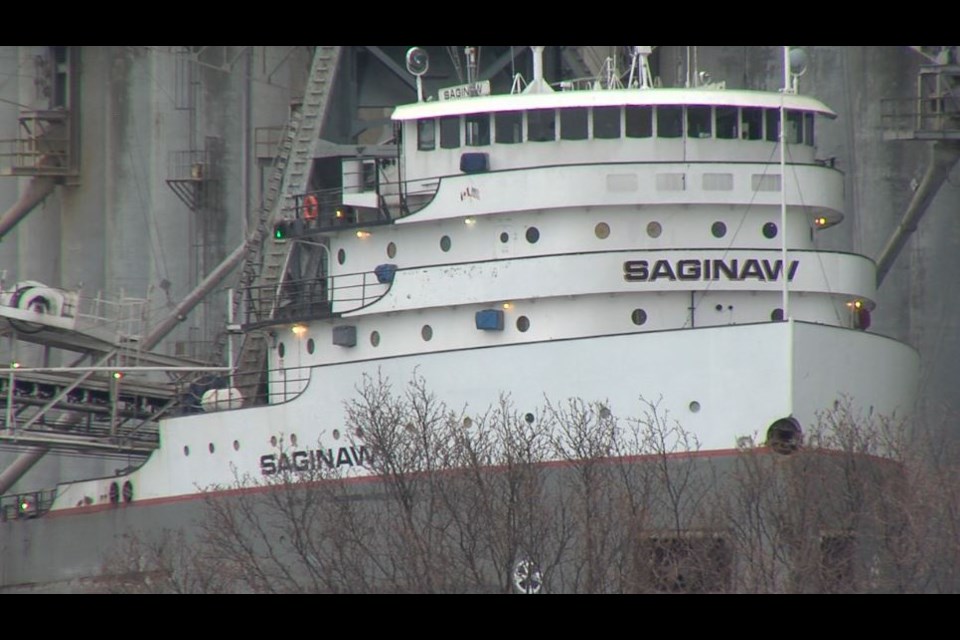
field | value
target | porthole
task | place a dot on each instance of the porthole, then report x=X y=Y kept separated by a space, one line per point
x=654 y=229
x=293 y=439
x=273 y=441
x=694 y=407
x=445 y=243
x=602 y=230
x=311 y=345
x=467 y=423
x=341 y=256
x=718 y=229
x=504 y=237
x=186 y=450
x=770 y=230
x=359 y=432
x=426 y=333
x=533 y=234
x=375 y=338
x=391 y=250
x=777 y=315
x=523 y=323
x=336 y=434
x=639 y=316
x=211 y=447
x=236 y=445
x=281 y=350
x=719 y=307
x=528 y=418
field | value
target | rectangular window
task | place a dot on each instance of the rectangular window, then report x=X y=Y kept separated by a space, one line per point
x=606 y=122
x=541 y=125
x=773 y=124
x=478 y=129
x=669 y=122
x=761 y=182
x=808 y=119
x=573 y=124
x=426 y=135
x=639 y=122
x=794 y=127
x=727 y=123
x=751 y=123
x=450 y=132
x=699 y=122
x=509 y=127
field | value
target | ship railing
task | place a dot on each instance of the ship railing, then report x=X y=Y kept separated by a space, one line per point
x=303 y=299
x=358 y=206
x=209 y=393
x=25 y=505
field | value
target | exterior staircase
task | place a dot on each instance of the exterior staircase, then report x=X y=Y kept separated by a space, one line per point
x=263 y=266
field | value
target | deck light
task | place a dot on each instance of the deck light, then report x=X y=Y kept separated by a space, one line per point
x=469 y=221
x=299 y=330
x=363 y=235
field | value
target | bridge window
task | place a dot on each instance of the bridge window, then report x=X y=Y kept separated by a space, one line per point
x=794 y=127
x=669 y=122
x=427 y=135
x=478 y=130
x=639 y=122
x=606 y=122
x=541 y=125
x=450 y=132
x=773 y=124
x=573 y=124
x=727 y=123
x=808 y=119
x=699 y=122
x=751 y=123
x=509 y=127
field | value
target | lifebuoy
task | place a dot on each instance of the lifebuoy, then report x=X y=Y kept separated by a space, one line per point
x=311 y=208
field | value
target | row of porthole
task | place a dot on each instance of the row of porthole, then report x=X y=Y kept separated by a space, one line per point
x=211 y=447
x=426 y=331
x=637 y=316
x=601 y=230
x=273 y=441
x=311 y=347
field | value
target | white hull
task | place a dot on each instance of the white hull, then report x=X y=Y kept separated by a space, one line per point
x=742 y=377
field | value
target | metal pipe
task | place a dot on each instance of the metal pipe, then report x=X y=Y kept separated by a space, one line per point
x=38 y=189
x=192 y=299
x=943 y=156
x=20 y=466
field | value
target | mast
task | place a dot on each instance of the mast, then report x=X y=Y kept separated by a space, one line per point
x=783 y=185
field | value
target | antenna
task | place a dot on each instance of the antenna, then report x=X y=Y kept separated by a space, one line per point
x=418 y=61
x=796 y=65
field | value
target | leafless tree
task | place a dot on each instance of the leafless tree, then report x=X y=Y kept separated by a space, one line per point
x=570 y=498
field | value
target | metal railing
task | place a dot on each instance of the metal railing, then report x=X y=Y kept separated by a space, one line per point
x=323 y=297
x=394 y=200
x=932 y=116
x=284 y=384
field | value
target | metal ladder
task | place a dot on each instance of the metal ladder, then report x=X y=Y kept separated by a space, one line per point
x=266 y=256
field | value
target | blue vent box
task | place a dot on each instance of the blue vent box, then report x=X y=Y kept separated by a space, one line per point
x=490 y=320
